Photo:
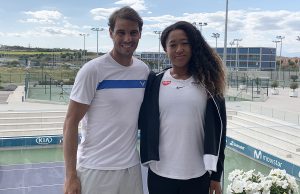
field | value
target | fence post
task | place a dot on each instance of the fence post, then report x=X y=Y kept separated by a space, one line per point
x=272 y=112
x=45 y=84
x=50 y=87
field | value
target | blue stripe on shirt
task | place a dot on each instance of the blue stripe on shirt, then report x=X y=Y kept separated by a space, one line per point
x=115 y=84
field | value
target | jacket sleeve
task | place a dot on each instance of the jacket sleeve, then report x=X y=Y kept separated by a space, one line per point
x=149 y=121
x=143 y=110
x=216 y=176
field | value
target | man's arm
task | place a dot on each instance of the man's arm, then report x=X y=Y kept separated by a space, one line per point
x=75 y=113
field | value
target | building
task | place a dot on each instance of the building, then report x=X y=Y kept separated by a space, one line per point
x=243 y=58
x=250 y=58
x=155 y=60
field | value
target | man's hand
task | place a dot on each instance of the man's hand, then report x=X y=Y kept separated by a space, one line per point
x=215 y=187
x=72 y=185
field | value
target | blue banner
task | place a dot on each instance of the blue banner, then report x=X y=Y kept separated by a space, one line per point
x=263 y=157
x=30 y=140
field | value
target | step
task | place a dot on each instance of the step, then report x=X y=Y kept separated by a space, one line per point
x=280 y=153
x=32 y=132
x=289 y=129
x=32 y=119
x=14 y=114
x=245 y=121
x=265 y=120
x=31 y=125
x=276 y=142
x=231 y=112
x=268 y=132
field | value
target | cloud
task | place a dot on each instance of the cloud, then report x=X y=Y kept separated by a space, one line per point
x=42 y=17
x=138 y=5
x=87 y=27
x=102 y=13
x=67 y=24
x=58 y=31
x=247 y=21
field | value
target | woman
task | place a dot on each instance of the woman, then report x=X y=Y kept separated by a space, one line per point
x=183 y=117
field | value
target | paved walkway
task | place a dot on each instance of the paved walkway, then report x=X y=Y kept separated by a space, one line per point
x=15 y=103
x=280 y=102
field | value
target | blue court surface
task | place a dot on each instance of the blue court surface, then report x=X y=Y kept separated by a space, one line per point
x=41 y=178
x=46 y=178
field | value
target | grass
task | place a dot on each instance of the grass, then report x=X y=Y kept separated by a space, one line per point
x=16 y=53
x=16 y=75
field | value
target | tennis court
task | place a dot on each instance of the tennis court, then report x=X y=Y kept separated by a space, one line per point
x=32 y=178
x=36 y=171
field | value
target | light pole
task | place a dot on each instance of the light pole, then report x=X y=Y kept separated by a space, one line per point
x=158 y=59
x=231 y=44
x=201 y=24
x=276 y=41
x=84 y=35
x=216 y=36
x=280 y=39
x=225 y=37
x=237 y=63
x=97 y=30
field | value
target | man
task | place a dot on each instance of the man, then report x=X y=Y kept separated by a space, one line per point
x=107 y=95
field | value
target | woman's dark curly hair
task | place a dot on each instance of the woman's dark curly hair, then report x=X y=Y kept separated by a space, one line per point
x=205 y=64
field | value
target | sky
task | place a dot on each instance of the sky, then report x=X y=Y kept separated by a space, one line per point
x=59 y=23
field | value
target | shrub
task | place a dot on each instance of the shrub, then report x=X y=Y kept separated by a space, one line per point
x=243 y=80
x=294 y=85
x=294 y=77
x=274 y=84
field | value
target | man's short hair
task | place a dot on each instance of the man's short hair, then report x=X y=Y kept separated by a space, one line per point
x=125 y=13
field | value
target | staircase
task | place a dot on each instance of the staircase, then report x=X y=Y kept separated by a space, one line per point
x=34 y=123
x=276 y=137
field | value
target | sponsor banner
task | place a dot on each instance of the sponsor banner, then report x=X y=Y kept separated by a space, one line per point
x=31 y=141
x=296 y=172
x=263 y=157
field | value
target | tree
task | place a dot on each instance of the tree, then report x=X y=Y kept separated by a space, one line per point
x=292 y=64
x=294 y=77
x=274 y=84
x=243 y=80
x=0 y=82
x=294 y=85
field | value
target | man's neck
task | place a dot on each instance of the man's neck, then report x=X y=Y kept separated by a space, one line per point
x=122 y=60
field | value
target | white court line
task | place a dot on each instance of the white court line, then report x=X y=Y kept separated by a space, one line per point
x=25 y=164
x=17 y=188
x=23 y=169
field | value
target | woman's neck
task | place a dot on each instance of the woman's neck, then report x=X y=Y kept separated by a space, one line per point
x=180 y=73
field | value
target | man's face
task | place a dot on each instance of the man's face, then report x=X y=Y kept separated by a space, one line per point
x=125 y=37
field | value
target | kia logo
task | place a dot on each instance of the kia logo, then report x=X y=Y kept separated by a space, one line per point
x=43 y=140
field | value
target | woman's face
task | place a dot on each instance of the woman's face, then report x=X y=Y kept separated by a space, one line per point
x=178 y=48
